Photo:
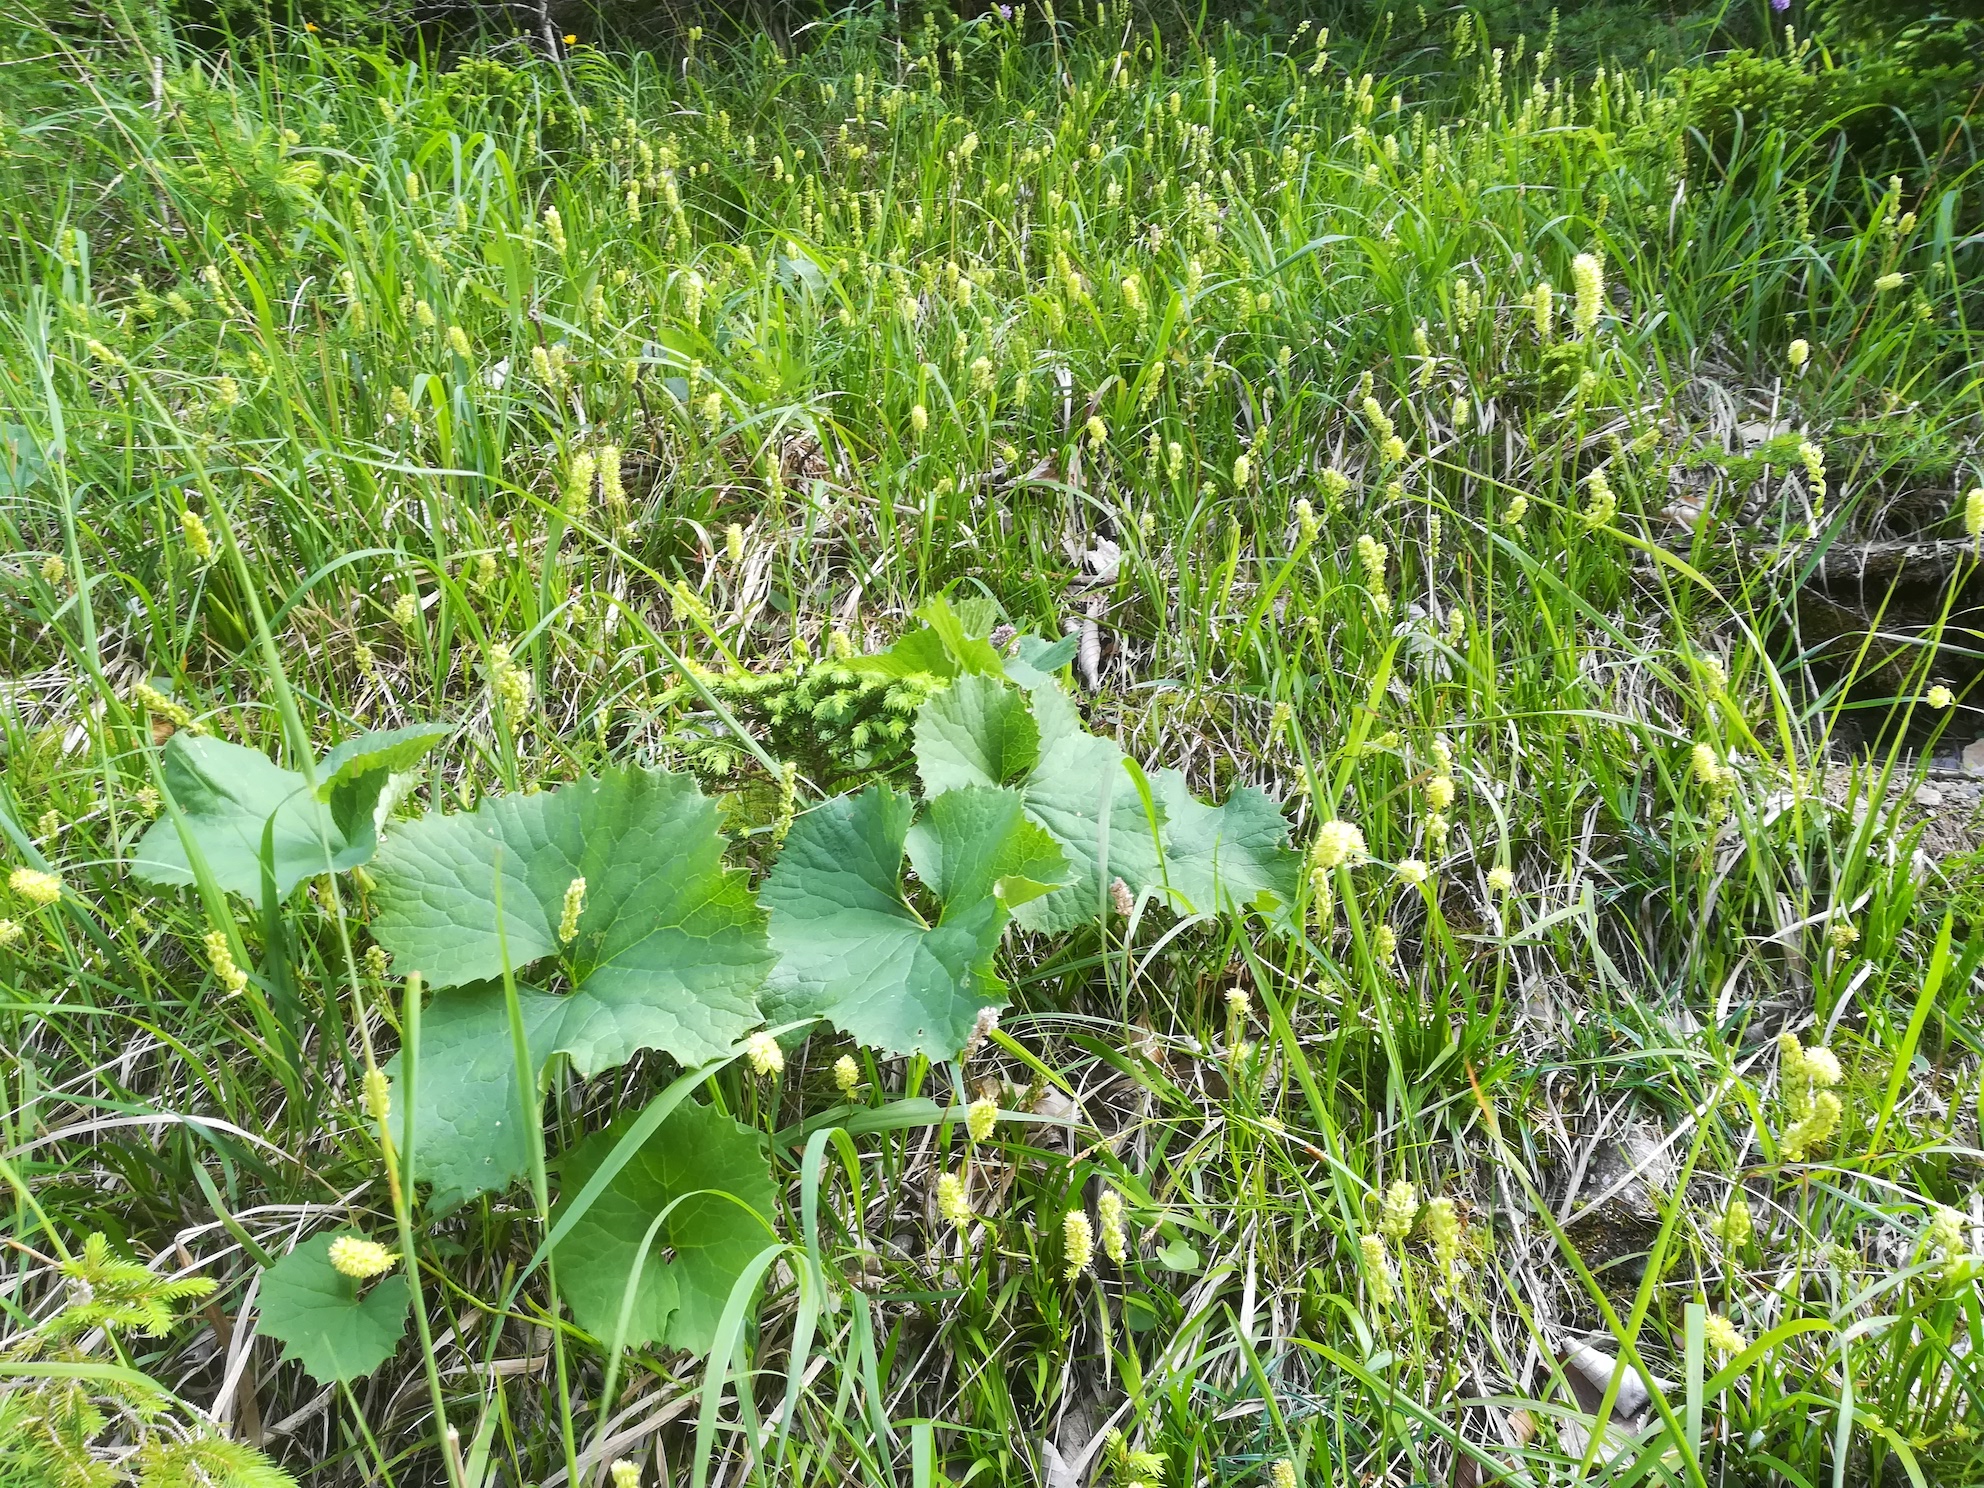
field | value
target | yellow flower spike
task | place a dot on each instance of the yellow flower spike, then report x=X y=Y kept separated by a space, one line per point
x=1078 y=1241
x=199 y=542
x=1115 y=1239
x=951 y=1201
x=1377 y=1271
x=38 y=888
x=847 y=1075
x=1939 y=697
x=980 y=1117
x=1398 y=1211
x=575 y=904
x=1722 y=1335
x=1444 y=1229
x=1588 y=281
x=766 y=1058
x=1337 y=843
x=361 y=1259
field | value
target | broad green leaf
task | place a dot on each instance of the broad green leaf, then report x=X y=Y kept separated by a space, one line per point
x=714 y=1172
x=1076 y=785
x=1037 y=660
x=977 y=731
x=943 y=646
x=669 y=949
x=968 y=649
x=469 y=1132
x=322 y=1318
x=851 y=947
x=354 y=775
x=229 y=793
x=1226 y=859
x=1216 y=859
x=976 y=842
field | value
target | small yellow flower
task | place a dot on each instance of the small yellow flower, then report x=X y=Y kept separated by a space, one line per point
x=11 y=934
x=1973 y=511
x=1734 y=1227
x=1603 y=504
x=847 y=1074
x=733 y=543
x=378 y=1095
x=1398 y=1211
x=1243 y=470
x=38 y=888
x=199 y=542
x=1939 y=697
x=220 y=955
x=625 y=1474
x=1516 y=510
x=919 y=420
x=1384 y=943
x=1722 y=1335
x=1282 y=1474
x=1889 y=282
x=1841 y=937
x=575 y=905
x=1588 y=278
x=1078 y=1241
x=1444 y=1229
x=980 y=1117
x=510 y=683
x=1440 y=792
x=1337 y=843
x=1411 y=871
x=1377 y=1270
x=571 y=39
x=765 y=1055
x=54 y=570
x=1798 y=353
x=1115 y=1240
x=359 y=1258
x=1097 y=430
x=951 y=1201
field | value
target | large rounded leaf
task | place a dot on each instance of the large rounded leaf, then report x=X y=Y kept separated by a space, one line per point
x=708 y=1176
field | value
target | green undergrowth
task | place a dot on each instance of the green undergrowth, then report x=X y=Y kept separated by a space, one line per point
x=1047 y=751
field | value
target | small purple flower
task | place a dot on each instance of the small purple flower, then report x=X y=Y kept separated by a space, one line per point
x=1780 y=6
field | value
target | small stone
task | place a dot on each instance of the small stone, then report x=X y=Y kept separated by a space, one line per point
x=1973 y=757
x=1928 y=795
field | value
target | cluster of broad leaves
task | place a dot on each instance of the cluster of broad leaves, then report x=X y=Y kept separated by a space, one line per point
x=881 y=917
